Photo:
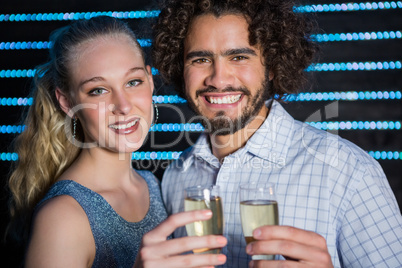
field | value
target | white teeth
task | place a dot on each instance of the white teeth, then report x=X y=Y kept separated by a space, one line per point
x=124 y=126
x=224 y=100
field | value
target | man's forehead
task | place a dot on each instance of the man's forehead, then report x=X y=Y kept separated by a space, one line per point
x=218 y=34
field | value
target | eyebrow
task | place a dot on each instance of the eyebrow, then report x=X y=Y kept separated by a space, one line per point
x=199 y=53
x=99 y=78
x=243 y=50
x=229 y=52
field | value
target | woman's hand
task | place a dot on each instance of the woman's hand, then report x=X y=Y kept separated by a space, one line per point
x=157 y=251
x=301 y=248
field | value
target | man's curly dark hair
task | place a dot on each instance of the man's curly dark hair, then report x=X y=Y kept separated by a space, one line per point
x=282 y=34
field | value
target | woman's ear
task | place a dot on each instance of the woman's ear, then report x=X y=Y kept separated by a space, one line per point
x=150 y=77
x=63 y=100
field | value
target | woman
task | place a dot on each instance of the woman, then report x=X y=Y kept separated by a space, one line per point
x=89 y=207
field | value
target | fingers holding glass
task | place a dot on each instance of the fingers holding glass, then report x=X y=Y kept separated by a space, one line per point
x=157 y=251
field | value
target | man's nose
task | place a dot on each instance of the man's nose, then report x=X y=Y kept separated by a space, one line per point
x=220 y=76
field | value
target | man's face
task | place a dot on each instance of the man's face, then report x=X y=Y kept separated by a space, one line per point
x=225 y=79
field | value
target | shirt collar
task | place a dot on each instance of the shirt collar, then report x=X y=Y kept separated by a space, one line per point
x=200 y=150
x=270 y=142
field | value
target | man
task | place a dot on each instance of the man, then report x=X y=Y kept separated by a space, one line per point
x=227 y=58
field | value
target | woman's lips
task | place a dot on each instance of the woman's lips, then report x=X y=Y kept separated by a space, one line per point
x=125 y=127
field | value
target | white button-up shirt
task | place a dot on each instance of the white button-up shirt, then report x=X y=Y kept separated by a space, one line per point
x=323 y=183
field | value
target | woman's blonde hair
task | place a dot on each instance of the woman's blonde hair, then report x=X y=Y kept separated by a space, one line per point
x=43 y=148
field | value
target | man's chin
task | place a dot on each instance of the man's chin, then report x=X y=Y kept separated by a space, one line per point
x=219 y=127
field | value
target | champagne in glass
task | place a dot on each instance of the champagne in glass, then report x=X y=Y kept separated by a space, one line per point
x=258 y=207
x=204 y=197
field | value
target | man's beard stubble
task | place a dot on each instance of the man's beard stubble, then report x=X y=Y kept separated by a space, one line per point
x=221 y=124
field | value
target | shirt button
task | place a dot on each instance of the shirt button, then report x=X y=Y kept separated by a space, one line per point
x=225 y=178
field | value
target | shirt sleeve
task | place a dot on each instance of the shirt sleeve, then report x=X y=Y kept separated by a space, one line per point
x=371 y=229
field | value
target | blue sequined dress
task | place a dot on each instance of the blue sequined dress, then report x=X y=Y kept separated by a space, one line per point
x=117 y=241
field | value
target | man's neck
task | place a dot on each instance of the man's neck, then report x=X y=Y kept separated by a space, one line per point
x=225 y=145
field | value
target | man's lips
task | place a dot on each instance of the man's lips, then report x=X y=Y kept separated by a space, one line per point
x=226 y=98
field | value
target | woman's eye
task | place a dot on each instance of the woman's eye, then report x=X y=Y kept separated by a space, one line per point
x=134 y=83
x=97 y=91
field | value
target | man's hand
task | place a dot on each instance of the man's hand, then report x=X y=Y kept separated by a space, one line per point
x=157 y=251
x=301 y=248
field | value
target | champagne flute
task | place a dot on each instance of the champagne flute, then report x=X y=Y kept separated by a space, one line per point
x=204 y=197
x=258 y=207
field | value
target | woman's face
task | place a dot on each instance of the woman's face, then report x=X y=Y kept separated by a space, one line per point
x=112 y=93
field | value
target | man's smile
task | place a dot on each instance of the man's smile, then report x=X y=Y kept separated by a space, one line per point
x=223 y=99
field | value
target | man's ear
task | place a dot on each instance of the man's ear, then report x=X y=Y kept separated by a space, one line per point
x=63 y=100
x=270 y=75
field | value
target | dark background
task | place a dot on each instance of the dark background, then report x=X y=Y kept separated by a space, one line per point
x=378 y=109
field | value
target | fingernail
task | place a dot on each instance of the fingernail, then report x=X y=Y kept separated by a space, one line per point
x=251 y=264
x=207 y=212
x=257 y=233
x=249 y=249
x=222 y=258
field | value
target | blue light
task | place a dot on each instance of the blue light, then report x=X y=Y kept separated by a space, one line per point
x=175 y=99
x=155 y=71
x=355 y=66
x=165 y=155
x=78 y=15
x=343 y=66
x=154 y=13
x=173 y=155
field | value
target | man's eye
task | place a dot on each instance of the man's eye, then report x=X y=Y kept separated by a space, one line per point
x=203 y=60
x=135 y=82
x=238 y=58
x=97 y=91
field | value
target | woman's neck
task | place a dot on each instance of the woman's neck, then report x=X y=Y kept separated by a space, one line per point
x=100 y=168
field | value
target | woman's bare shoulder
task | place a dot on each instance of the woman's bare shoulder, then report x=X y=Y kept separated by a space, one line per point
x=60 y=234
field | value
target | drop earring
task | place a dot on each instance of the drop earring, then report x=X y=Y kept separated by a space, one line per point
x=156 y=117
x=74 y=127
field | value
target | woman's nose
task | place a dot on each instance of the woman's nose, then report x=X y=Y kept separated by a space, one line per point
x=121 y=104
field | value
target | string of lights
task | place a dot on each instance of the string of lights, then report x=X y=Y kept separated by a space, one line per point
x=173 y=155
x=355 y=36
x=356 y=125
x=25 y=45
x=332 y=37
x=354 y=66
x=142 y=14
x=318 y=67
x=197 y=127
x=69 y=16
x=314 y=96
x=342 y=7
